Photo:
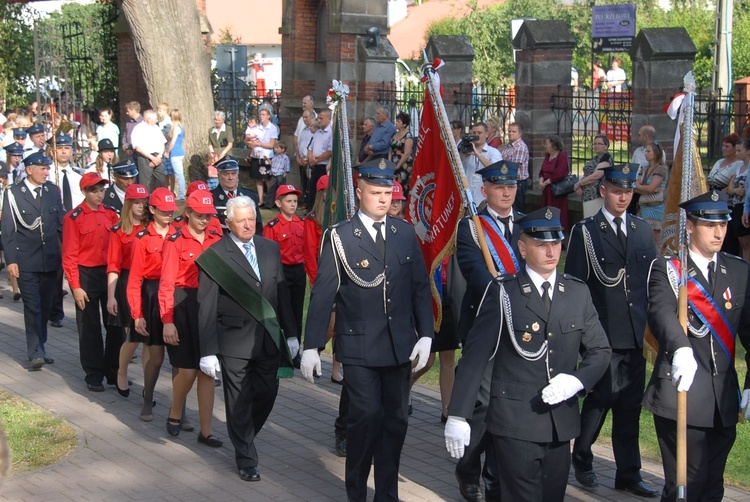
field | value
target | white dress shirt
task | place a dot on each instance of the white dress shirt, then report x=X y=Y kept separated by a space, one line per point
x=538 y=280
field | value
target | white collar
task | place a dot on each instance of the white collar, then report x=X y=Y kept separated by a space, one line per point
x=701 y=262
x=221 y=129
x=31 y=186
x=367 y=222
x=611 y=219
x=538 y=280
x=239 y=243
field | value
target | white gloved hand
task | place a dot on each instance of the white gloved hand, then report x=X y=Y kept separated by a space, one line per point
x=561 y=388
x=683 y=368
x=457 y=436
x=210 y=366
x=421 y=350
x=745 y=402
x=310 y=363
x=293 y=345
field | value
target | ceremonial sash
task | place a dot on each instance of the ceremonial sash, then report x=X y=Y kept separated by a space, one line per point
x=709 y=313
x=500 y=249
x=251 y=300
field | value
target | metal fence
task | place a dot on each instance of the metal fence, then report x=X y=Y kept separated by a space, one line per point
x=469 y=103
x=717 y=115
x=583 y=114
x=239 y=101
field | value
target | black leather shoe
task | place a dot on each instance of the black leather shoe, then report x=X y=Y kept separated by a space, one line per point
x=95 y=387
x=638 y=488
x=492 y=495
x=340 y=446
x=471 y=492
x=56 y=324
x=16 y=297
x=249 y=474
x=587 y=479
x=49 y=359
x=214 y=442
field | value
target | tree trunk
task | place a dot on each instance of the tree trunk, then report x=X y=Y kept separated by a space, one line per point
x=176 y=66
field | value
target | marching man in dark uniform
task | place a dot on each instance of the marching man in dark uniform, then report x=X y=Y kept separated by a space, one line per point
x=535 y=325
x=701 y=363
x=612 y=252
x=372 y=268
x=501 y=234
x=124 y=174
x=31 y=232
x=229 y=188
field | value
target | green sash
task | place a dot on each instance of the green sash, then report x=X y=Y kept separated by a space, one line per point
x=253 y=302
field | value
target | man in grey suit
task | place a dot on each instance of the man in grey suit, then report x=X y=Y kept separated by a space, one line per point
x=239 y=273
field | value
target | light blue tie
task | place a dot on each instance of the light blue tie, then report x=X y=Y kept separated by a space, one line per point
x=250 y=255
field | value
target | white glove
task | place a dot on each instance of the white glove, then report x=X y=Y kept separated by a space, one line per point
x=457 y=436
x=310 y=363
x=210 y=366
x=745 y=402
x=293 y=345
x=561 y=388
x=421 y=350
x=683 y=368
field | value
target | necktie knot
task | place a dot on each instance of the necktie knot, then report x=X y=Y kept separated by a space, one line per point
x=38 y=191
x=620 y=232
x=545 y=295
x=505 y=220
x=251 y=258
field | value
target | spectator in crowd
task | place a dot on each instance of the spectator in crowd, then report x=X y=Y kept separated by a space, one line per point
x=300 y=143
x=457 y=130
x=148 y=141
x=175 y=152
x=414 y=117
x=164 y=121
x=320 y=151
x=262 y=153
x=646 y=136
x=280 y=166
x=554 y=168
x=481 y=156
x=402 y=146
x=368 y=126
x=108 y=129
x=616 y=77
x=726 y=167
x=133 y=111
x=598 y=76
x=652 y=186
x=517 y=151
x=493 y=132
x=588 y=186
x=735 y=189
x=220 y=138
x=103 y=163
x=379 y=145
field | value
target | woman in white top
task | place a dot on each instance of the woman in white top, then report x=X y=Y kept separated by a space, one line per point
x=108 y=129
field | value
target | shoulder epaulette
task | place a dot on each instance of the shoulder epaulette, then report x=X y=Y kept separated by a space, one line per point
x=728 y=255
x=636 y=217
x=573 y=278
x=214 y=232
x=310 y=216
x=273 y=222
x=339 y=223
x=175 y=236
x=74 y=214
x=177 y=219
x=117 y=226
x=505 y=277
x=112 y=208
x=142 y=233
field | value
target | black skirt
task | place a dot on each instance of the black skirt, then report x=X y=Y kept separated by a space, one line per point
x=123 y=318
x=737 y=226
x=187 y=353
x=150 y=309
x=255 y=165
x=447 y=337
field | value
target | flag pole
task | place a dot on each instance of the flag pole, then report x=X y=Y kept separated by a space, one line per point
x=685 y=192
x=343 y=91
x=433 y=88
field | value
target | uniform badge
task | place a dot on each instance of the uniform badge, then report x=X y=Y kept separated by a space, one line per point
x=23 y=189
x=632 y=224
x=283 y=236
x=221 y=196
x=526 y=336
x=46 y=189
x=358 y=232
x=504 y=170
x=393 y=229
x=526 y=289
x=714 y=196
x=382 y=165
x=548 y=215
x=728 y=297
x=111 y=195
x=535 y=327
x=561 y=287
x=603 y=225
x=625 y=170
x=364 y=263
x=191 y=255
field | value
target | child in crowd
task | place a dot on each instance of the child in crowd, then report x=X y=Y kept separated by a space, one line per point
x=287 y=229
x=279 y=167
x=253 y=132
x=398 y=201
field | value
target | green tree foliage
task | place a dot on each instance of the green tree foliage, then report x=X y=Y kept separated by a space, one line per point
x=489 y=30
x=16 y=53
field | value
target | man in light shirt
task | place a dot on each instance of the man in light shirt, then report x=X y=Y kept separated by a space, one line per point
x=148 y=141
x=482 y=155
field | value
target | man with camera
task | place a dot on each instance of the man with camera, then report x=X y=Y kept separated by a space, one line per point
x=476 y=154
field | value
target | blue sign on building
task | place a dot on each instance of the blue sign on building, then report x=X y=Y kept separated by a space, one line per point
x=613 y=27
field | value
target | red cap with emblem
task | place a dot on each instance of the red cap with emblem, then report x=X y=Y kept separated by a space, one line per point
x=135 y=192
x=91 y=179
x=202 y=202
x=286 y=190
x=196 y=185
x=163 y=199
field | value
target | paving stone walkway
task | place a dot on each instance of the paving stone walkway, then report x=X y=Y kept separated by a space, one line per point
x=121 y=458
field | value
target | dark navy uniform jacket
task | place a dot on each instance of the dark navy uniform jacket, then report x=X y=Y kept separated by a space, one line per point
x=220 y=203
x=36 y=250
x=111 y=199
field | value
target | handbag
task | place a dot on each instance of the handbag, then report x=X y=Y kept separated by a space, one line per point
x=565 y=186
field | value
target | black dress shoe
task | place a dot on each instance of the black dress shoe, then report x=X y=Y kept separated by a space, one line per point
x=638 y=488
x=95 y=387
x=471 y=492
x=249 y=474
x=587 y=479
x=492 y=495
x=337 y=382
x=16 y=297
x=56 y=324
x=214 y=442
x=49 y=359
x=340 y=446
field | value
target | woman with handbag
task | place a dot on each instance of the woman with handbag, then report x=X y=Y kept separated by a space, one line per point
x=652 y=185
x=588 y=186
x=554 y=168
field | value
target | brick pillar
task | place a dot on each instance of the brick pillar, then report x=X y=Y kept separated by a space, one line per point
x=661 y=58
x=543 y=62
x=458 y=54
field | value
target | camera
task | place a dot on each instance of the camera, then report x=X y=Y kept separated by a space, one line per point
x=466 y=143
